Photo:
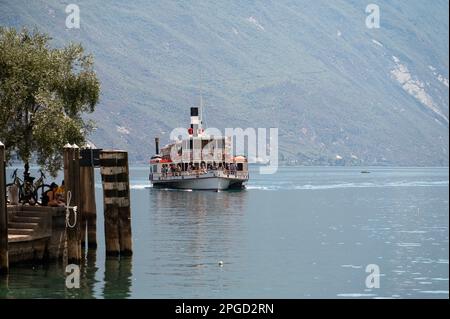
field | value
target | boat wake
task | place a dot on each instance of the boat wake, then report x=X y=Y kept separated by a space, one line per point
x=140 y=186
x=290 y=186
x=349 y=185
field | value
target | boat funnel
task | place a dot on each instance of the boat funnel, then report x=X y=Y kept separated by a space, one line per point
x=195 y=121
x=156 y=145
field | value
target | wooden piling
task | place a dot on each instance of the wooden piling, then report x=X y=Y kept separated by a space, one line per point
x=126 y=248
x=76 y=195
x=116 y=197
x=72 y=186
x=88 y=207
x=4 y=262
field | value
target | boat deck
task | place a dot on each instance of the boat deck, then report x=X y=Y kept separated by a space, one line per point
x=199 y=174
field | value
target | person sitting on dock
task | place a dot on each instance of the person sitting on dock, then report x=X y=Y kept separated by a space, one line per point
x=61 y=192
x=50 y=197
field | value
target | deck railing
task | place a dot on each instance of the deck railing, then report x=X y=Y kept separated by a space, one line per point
x=202 y=172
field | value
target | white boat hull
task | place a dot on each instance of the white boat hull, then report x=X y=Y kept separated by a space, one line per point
x=201 y=183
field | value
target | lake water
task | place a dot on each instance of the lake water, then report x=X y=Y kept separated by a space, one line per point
x=305 y=232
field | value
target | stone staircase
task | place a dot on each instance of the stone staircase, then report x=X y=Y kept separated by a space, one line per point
x=24 y=225
x=35 y=233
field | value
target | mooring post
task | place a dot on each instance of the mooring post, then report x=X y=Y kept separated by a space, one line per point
x=116 y=198
x=126 y=248
x=76 y=196
x=4 y=262
x=88 y=207
x=72 y=187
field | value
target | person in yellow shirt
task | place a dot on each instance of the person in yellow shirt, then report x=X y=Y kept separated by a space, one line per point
x=61 y=193
x=50 y=198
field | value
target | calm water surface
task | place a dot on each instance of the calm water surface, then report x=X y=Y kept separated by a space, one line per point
x=301 y=233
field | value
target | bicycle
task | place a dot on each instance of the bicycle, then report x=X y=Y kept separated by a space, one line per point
x=39 y=188
x=30 y=192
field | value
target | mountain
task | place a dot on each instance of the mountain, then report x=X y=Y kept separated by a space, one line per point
x=339 y=92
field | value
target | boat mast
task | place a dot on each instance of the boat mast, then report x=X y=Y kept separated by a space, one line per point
x=201 y=110
x=201 y=101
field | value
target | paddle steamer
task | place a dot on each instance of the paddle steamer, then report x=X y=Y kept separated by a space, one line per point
x=198 y=162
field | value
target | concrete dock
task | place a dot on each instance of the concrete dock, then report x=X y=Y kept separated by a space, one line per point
x=36 y=233
x=42 y=233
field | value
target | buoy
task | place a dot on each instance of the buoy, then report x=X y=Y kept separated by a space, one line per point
x=221 y=263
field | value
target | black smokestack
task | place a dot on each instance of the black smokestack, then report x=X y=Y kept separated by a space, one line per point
x=157 y=145
x=194 y=111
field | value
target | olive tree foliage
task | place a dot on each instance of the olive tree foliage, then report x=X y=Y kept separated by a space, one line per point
x=44 y=92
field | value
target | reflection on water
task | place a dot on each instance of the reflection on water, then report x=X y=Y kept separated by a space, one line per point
x=177 y=235
x=117 y=277
x=195 y=221
x=48 y=281
x=186 y=234
x=301 y=233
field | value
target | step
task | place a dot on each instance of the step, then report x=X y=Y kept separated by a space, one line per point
x=32 y=214
x=14 y=238
x=22 y=225
x=20 y=231
x=39 y=209
x=25 y=219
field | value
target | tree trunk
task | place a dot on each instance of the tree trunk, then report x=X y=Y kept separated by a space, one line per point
x=26 y=173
